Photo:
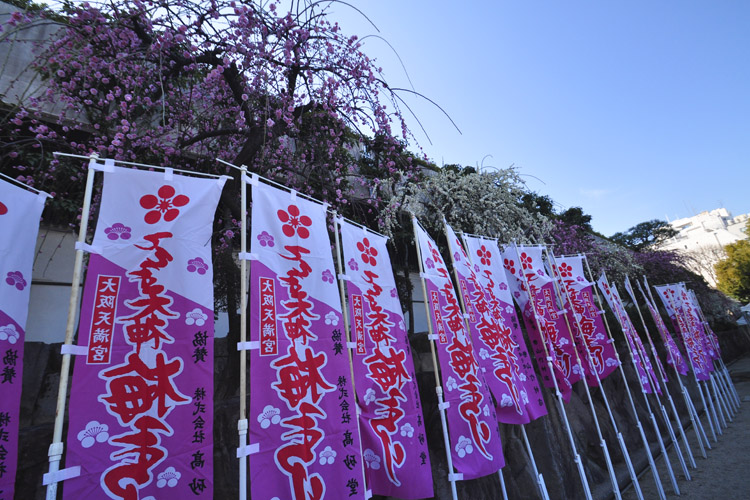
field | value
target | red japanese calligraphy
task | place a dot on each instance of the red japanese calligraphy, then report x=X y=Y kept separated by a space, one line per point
x=300 y=381
x=130 y=393
x=141 y=391
x=152 y=306
x=269 y=342
x=103 y=320
x=435 y=303
x=141 y=455
x=299 y=318
x=497 y=336
x=358 y=319
x=295 y=457
x=386 y=367
x=389 y=413
x=298 y=378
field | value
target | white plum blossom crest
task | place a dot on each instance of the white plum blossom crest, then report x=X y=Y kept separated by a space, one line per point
x=268 y=416
x=8 y=332
x=371 y=459
x=332 y=319
x=464 y=447
x=407 y=430
x=451 y=384
x=93 y=433
x=169 y=477
x=524 y=397
x=506 y=401
x=196 y=317
x=327 y=456
x=370 y=396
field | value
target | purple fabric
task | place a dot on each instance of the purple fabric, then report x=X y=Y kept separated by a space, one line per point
x=592 y=340
x=141 y=404
x=491 y=337
x=476 y=449
x=522 y=277
x=636 y=355
x=487 y=257
x=394 y=442
x=674 y=356
x=674 y=298
x=303 y=413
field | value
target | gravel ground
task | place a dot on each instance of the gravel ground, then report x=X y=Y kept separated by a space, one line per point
x=725 y=473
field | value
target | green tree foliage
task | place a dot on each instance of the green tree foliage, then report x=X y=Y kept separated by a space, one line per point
x=537 y=203
x=733 y=273
x=575 y=216
x=644 y=234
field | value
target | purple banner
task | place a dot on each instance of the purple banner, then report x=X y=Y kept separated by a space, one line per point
x=303 y=413
x=527 y=279
x=476 y=449
x=613 y=299
x=141 y=404
x=674 y=356
x=20 y=211
x=671 y=296
x=394 y=443
x=486 y=256
x=593 y=344
x=497 y=349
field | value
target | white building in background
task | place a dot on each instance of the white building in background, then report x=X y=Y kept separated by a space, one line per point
x=703 y=237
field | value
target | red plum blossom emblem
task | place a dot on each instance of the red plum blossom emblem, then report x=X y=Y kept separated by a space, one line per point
x=509 y=265
x=294 y=222
x=525 y=260
x=368 y=253
x=164 y=204
x=484 y=256
x=565 y=270
x=3 y=208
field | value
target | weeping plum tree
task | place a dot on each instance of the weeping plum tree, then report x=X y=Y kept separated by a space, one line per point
x=183 y=82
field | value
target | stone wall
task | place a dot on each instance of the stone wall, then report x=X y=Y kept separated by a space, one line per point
x=547 y=435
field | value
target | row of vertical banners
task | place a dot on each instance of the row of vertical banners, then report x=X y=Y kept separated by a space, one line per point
x=335 y=410
x=20 y=211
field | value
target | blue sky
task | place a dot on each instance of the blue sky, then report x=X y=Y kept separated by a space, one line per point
x=632 y=110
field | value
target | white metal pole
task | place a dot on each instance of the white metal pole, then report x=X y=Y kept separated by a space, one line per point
x=684 y=330
x=694 y=412
x=719 y=402
x=626 y=323
x=723 y=376
x=57 y=447
x=725 y=387
x=654 y=310
x=539 y=478
x=646 y=445
x=558 y=394
x=710 y=411
x=663 y=378
x=564 y=296
x=502 y=484
x=435 y=366
x=242 y=423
